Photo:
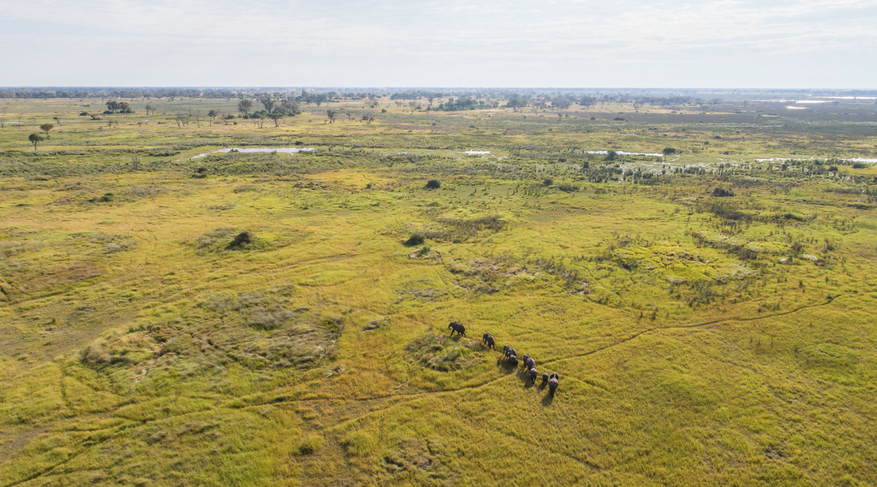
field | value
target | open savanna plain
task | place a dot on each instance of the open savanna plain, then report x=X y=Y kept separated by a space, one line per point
x=281 y=319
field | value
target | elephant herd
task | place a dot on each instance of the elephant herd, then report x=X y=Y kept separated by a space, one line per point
x=511 y=357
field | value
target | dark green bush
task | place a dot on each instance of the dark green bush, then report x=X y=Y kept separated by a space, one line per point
x=241 y=239
x=567 y=187
x=433 y=184
x=106 y=198
x=414 y=240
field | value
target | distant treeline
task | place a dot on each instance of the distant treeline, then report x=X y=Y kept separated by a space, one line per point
x=464 y=103
x=116 y=93
x=416 y=95
x=515 y=98
x=174 y=93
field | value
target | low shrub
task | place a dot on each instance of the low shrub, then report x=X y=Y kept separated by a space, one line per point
x=567 y=187
x=242 y=239
x=414 y=240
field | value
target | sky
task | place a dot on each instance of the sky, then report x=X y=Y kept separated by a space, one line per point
x=408 y=43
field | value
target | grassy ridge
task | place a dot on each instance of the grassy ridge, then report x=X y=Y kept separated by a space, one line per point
x=700 y=338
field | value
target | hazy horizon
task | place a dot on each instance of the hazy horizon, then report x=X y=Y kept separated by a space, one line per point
x=630 y=44
x=853 y=92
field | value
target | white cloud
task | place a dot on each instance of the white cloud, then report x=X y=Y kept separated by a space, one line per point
x=500 y=43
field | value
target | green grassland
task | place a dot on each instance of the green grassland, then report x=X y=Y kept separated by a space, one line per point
x=711 y=316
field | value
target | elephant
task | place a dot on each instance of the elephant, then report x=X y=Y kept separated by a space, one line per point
x=488 y=340
x=458 y=328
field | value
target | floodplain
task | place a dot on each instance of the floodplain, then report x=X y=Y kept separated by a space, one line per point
x=175 y=315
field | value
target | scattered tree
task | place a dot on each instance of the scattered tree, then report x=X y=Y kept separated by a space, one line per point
x=35 y=139
x=331 y=114
x=561 y=103
x=259 y=118
x=276 y=116
x=516 y=103
x=114 y=106
x=245 y=105
x=268 y=103
x=291 y=107
x=46 y=127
